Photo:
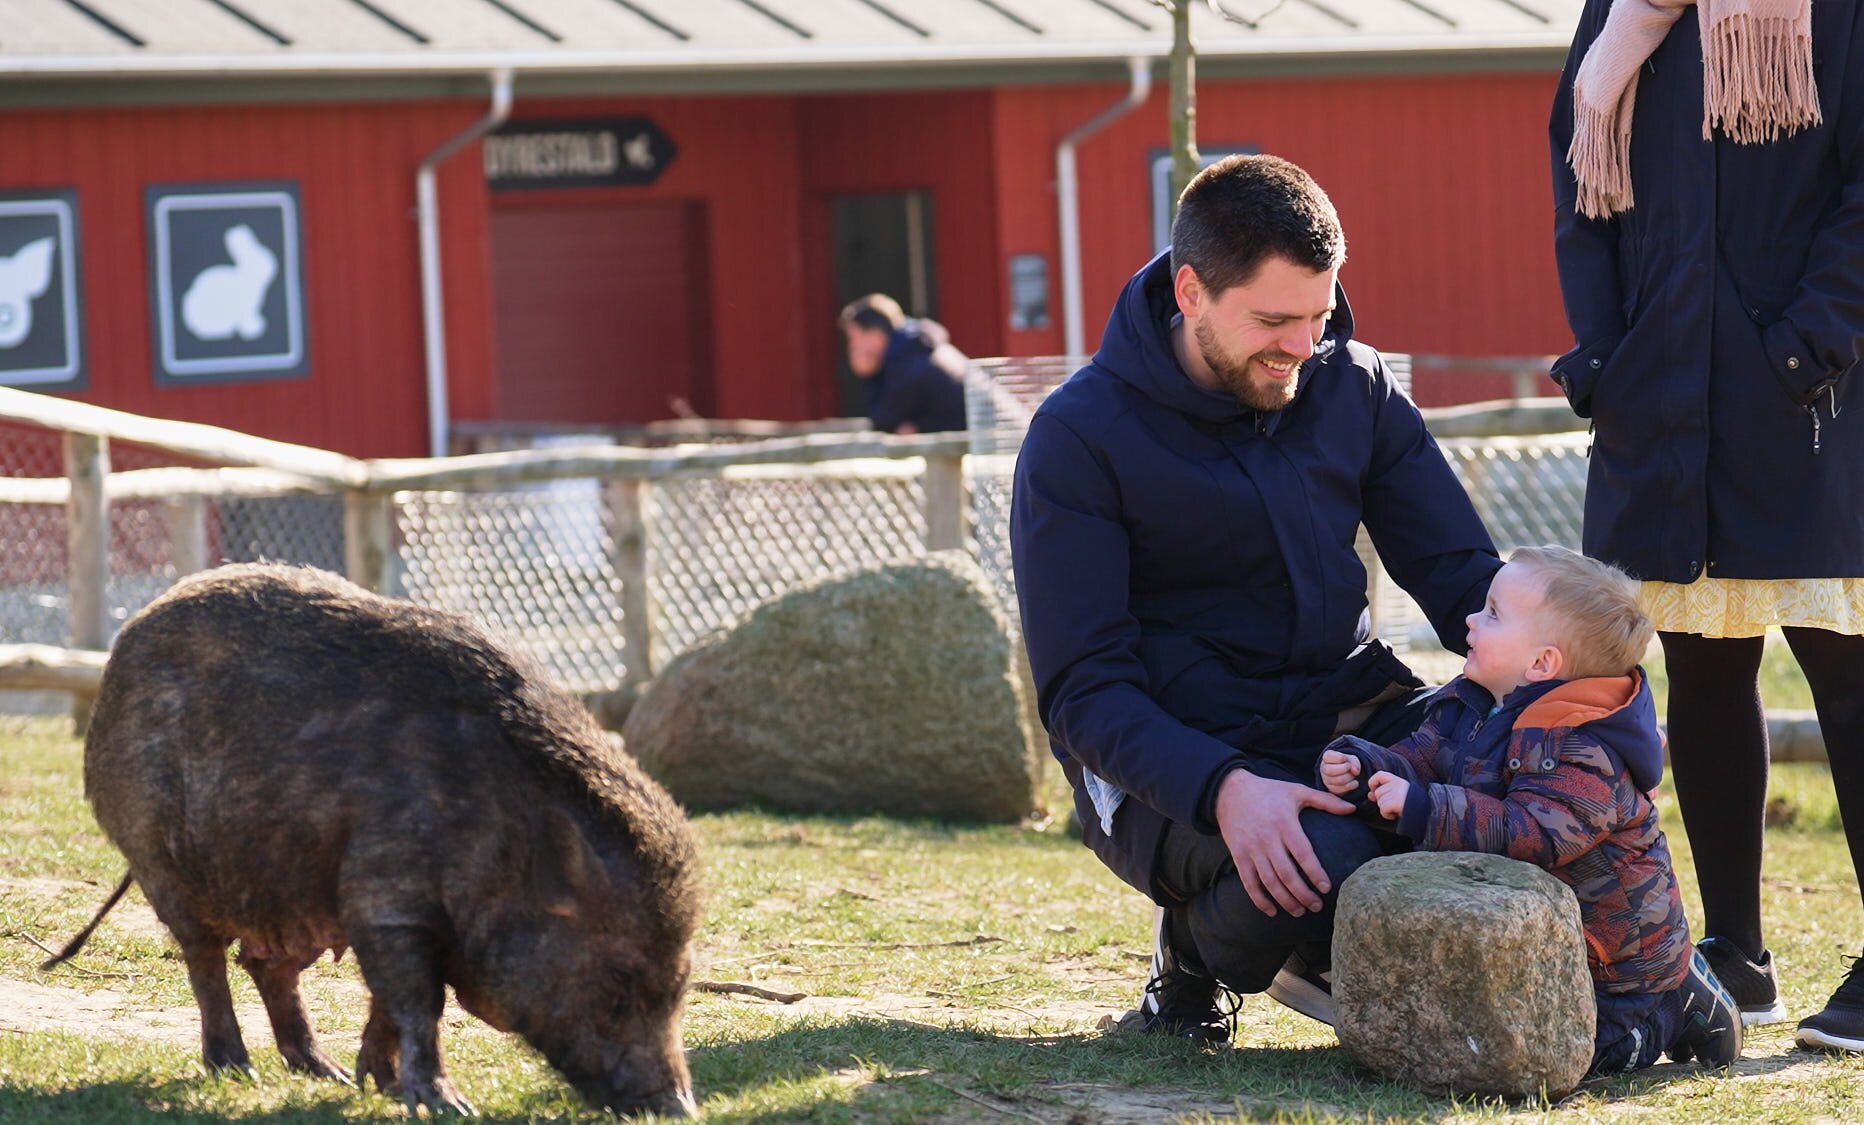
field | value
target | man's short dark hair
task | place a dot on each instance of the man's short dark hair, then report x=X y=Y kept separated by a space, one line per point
x=874 y=311
x=1242 y=210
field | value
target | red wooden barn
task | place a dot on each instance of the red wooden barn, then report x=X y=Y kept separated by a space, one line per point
x=675 y=196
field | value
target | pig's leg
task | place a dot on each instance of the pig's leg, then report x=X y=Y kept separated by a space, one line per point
x=221 y=1045
x=277 y=978
x=380 y=1056
x=402 y=968
x=205 y=953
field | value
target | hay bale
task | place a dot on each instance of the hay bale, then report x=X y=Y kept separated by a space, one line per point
x=888 y=690
x=1464 y=972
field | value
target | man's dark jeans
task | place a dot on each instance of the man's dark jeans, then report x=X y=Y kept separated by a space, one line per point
x=1234 y=941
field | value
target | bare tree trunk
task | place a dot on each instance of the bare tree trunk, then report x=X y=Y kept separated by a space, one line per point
x=1184 y=159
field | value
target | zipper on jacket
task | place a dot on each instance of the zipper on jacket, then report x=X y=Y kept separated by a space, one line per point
x=1812 y=411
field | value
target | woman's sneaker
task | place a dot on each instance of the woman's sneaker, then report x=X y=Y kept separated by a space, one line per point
x=1750 y=983
x=1711 y=1024
x=1840 y=1027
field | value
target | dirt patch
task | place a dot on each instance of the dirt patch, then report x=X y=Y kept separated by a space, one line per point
x=28 y=1007
x=933 y=1011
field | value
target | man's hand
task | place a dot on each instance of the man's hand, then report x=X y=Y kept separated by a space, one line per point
x=1260 y=819
x=1388 y=791
x=1339 y=772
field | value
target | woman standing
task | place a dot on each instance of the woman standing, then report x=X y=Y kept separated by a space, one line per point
x=1708 y=171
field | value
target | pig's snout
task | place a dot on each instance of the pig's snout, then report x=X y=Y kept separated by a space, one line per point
x=625 y=1095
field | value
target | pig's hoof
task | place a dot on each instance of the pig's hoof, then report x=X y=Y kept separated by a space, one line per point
x=440 y=1097
x=230 y=1064
x=318 y=1065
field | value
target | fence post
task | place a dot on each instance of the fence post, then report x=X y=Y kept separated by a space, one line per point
x=87 y=521
x=946 y=506
x=185 y=517
x=367 y=548
x=626 y=498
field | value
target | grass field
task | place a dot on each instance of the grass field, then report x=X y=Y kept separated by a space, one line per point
x=948 y=974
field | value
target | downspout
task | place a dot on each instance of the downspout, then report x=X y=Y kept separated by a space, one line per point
x=1067 y=192
x=427 y=210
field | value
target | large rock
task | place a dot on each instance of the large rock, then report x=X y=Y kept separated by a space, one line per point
x=888 y=690
x=1464 y=972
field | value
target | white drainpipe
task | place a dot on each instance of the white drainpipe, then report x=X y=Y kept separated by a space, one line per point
x=1068 y=195
x=427 y=208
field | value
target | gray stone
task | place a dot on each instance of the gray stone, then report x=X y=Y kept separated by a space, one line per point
x=888 y=690
x=1464 y=972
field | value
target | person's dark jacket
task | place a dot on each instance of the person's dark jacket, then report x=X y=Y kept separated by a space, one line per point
x=1713 y=317
x=1186 y=571
x=1560 y=777
x=920 y=381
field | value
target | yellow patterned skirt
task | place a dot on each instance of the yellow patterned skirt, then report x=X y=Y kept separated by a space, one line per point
x=1746 y=607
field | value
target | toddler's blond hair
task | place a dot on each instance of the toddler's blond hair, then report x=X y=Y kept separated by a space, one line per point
x=1596 y=619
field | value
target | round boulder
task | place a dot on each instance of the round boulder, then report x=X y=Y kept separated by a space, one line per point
x=1463 y=972
x=891 y=690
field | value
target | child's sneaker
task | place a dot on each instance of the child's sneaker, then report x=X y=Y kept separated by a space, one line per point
x=1177 y=1000
x=1305 y=982
x=1711 y=1025
x=1751 y=984
x=1840 y=1027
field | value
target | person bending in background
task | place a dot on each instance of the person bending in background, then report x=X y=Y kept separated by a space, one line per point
x=913 y=375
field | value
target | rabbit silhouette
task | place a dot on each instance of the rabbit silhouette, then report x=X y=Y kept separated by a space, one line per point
x=225 y=300
x=23 y=276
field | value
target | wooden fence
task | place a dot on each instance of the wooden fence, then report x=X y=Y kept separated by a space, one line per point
x=246 y=466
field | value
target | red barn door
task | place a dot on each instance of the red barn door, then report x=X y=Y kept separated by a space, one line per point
x=602 y=315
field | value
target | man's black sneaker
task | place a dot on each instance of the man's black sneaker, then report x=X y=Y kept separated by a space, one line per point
x=1178 y=998
x=1711 y=1029
x=1305 y=982
x=1752 y=985
x=1840 y=1027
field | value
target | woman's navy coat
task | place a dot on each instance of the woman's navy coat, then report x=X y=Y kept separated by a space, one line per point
x=1714 y=318
x=1186 y=570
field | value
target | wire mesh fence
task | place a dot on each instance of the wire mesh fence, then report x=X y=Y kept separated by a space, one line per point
x=538 y=562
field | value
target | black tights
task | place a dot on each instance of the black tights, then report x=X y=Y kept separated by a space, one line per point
x=1718 y=756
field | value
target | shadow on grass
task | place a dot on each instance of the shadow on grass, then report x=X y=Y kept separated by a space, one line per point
x=894 y=1069
x=899 y=1070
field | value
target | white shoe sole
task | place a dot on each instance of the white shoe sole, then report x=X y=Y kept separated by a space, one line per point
x=1291 y=991
x=1821 y=1040
x=1754 y=1017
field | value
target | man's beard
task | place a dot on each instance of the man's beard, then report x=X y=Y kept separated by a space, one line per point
x=1260 y=393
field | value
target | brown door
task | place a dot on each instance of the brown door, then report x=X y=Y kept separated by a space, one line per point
x=601 y=311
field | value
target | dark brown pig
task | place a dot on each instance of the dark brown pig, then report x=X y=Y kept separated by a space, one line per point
x=296 y=764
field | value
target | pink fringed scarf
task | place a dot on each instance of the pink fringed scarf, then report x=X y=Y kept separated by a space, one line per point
x=1756 y=77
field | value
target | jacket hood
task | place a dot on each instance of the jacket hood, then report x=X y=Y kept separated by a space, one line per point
x=1618 y=710
x=1136 y=346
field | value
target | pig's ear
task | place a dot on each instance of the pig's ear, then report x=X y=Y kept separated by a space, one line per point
x=562 y=865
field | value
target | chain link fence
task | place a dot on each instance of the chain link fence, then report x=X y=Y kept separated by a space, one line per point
x=538 y=562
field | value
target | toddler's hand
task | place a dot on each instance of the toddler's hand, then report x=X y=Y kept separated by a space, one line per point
x=1388 y=791
x=1339 y=772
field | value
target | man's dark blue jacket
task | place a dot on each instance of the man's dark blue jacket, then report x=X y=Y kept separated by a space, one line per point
x=1186 y=571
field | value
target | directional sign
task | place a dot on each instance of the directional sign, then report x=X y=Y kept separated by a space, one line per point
x=226 y=282
x=582 y=152
x=41 y=333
